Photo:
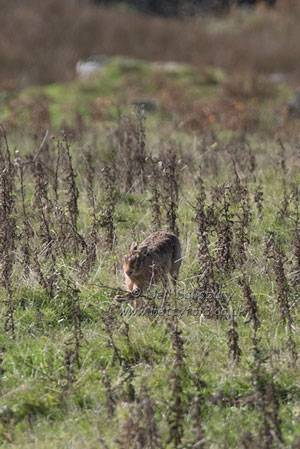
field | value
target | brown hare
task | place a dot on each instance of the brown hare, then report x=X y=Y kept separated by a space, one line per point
x=151 y=262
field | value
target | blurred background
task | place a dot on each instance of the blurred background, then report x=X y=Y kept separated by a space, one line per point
x=201 y=64
x=41 y=41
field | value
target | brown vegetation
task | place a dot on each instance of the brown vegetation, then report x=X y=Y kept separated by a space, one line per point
x=60 y=224
x=40 y=42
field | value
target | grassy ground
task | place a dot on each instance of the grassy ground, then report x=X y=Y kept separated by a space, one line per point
x=184 y=98
x=219 y=367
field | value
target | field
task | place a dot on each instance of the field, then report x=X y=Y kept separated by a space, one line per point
x=88 y=167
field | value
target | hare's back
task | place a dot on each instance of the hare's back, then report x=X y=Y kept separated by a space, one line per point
x=160 y=242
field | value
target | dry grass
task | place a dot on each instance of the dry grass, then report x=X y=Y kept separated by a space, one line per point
x=40 y=42
x=224 y=359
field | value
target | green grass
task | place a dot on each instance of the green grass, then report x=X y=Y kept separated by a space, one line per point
x=179 y=92
x=34 y=409
x=51 y=400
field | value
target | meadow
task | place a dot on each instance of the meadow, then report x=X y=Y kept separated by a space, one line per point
x=89 y=166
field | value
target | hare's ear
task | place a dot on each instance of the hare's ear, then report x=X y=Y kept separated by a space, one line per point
x=133 y=246
x=143 y=250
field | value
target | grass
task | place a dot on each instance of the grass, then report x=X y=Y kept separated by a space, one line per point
x=78 y=369
x=259 y=40
x=183 y=98
x=122 y=82
x=36 y=408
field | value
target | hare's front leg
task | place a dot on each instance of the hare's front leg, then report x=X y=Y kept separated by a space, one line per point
x=129 y=283
x=129 y=287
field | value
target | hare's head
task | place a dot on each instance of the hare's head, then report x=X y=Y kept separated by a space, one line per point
x=133 y=261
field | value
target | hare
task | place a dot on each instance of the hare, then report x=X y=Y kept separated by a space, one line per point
x=158 y=255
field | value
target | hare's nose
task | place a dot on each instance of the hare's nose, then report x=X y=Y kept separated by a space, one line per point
x=129 y=272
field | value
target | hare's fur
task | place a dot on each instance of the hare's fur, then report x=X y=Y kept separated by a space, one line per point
x=156 y=257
